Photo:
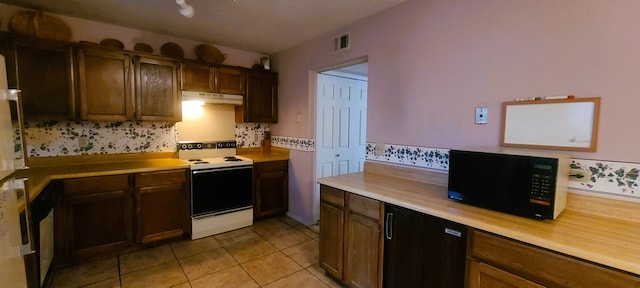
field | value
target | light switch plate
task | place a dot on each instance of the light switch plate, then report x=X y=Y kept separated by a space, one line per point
x=481 y=115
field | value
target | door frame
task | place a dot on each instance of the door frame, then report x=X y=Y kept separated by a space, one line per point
x=313 y=90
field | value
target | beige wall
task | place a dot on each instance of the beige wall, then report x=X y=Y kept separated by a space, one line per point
x=432 y=62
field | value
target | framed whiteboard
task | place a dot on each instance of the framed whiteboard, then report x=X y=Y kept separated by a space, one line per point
x=564 y=124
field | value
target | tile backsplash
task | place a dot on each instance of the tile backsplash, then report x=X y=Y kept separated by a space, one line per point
x=248 y=135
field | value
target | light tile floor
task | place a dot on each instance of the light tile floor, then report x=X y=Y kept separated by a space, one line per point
x=278 y=252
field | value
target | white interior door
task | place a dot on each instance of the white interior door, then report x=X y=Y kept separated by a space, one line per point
x=341 y=127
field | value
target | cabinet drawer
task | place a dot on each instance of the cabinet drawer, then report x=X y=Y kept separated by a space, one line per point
x=96 y=184
x=160 y=178
x=332 y=195
x=363 y=205
x=543 y=266
x=264 y=167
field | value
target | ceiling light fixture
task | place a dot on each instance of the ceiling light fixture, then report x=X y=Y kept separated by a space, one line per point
x=185 y=9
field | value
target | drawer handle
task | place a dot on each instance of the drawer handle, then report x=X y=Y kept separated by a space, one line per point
x=388 y=226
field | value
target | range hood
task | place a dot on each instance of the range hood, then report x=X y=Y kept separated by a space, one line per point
x=214 y=98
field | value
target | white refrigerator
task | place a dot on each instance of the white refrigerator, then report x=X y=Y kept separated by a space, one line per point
x=14 y=220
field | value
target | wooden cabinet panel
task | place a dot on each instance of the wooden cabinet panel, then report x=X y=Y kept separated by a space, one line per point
x=160 y=178
x=331 y=239
x=44 y=72
x=157 y=92
x=271 y=190
x=230 y=80
x=161 y=212
x=106 y=85
x=543 y=266
x=261 y=99
x=162 y=205
x=362 y=256
x=485 y=276
x=197 y=77
x=96 y=221
x=350 y=243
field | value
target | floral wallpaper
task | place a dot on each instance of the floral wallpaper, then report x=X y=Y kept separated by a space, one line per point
x=246 y=134
x=67 y=138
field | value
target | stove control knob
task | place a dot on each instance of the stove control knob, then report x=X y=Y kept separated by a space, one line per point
x=199 y=146
x=183 y=147
x=190 y=146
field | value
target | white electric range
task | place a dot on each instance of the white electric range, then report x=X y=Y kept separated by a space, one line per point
x=221 y=187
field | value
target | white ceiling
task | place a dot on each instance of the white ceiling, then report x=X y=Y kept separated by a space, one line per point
x=263 y=26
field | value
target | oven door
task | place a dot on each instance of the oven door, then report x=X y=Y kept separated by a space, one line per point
x=221 y=190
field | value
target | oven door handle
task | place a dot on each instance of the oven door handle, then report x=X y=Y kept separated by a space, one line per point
x=220 y=169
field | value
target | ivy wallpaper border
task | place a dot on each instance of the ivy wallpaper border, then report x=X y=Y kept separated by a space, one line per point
x=425 y=157
x=301 y=144
x=616 y=178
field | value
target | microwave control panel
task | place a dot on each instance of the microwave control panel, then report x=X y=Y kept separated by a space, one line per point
x=542 y=185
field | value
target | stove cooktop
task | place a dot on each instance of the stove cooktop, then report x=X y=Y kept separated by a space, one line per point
x=219 y=162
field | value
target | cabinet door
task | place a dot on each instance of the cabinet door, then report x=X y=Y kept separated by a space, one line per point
x=157 y=91
x=97 y=216
x=43 y=71
x=362 y=256
x=197 y=77
x=331 y=239
x=482 y=275
x=161 y=212
x=271 y=189
x=106 y=85
x=261 y=100
x=230 y=80
x=162 y=205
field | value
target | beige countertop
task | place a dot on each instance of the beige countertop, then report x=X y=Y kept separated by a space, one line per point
x=257 y=155
x=40 y=176
x=608 y=241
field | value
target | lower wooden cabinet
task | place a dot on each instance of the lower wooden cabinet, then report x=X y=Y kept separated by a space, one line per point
x=350 y=237
x=482 y=275
x=95 y=217
x=271 y=189
x=107 y=215
x=524 y=265
x=161 y=205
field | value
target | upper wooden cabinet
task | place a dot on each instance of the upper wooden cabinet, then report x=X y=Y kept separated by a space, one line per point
x=261 y=100
x=197 y=77
x=230 y=80
x=106 y=85
x=157 y=91
x=117 y=86
x=219 y=79
x=43 y=70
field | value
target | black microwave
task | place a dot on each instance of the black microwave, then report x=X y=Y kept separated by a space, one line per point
x=520 y=182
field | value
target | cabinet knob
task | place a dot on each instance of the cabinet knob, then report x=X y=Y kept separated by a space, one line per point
x=337 y=155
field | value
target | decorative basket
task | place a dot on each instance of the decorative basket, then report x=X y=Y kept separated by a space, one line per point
x=38 y=24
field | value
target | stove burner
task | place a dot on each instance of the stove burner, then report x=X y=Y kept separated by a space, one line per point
x=200 y=162
x=231 y=159
x=194 y=160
